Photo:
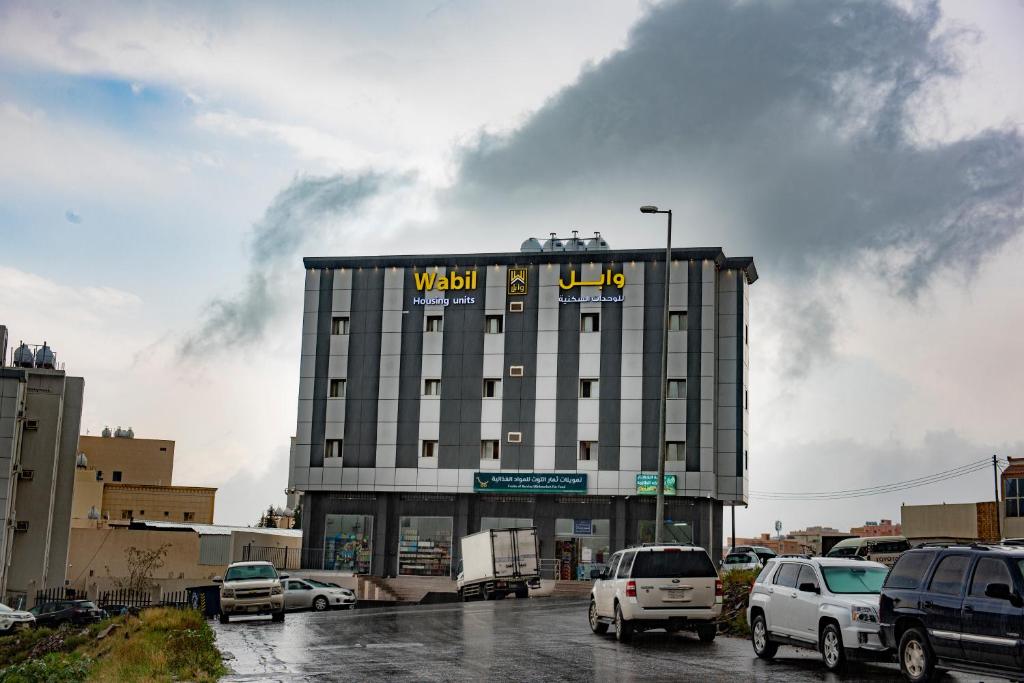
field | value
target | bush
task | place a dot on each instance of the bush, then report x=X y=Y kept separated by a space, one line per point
x=736 y=587
x=56 y=667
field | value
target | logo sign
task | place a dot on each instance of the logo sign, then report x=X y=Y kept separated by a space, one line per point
x=517 y=281
x=527 y=482
x=582 y=527
x=452 y=281
x=647 y=484
x=607 y=278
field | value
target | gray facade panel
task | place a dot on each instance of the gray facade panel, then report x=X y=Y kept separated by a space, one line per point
x=410 y=371
x=519 y=394
x=693 y=371
x=568 y=380
x=322 y=364
x=654 y=312
x=461 y=381
x=610 y=403
x=740 y=398
x=365 y=320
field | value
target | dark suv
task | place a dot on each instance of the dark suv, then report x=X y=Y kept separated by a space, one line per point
x=956 y=607
x=59 y=612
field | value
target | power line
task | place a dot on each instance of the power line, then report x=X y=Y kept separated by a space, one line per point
x=898 y=483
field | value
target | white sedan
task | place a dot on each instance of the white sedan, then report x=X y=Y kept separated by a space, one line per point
x=316 y=595
x=741 y=562
x=12 y=619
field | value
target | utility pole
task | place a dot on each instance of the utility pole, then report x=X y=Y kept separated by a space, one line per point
x=732 y=543
x=995 y=486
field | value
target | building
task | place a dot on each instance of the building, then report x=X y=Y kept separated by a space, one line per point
x=40 y=415
x=818 y=540
x=440 y=395
x=120 y=478
x=1012 y=513
x=780 y=546
x=954 y=523
x=883 y=528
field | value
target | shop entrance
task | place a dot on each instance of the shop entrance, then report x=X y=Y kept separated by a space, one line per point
x=581 y=545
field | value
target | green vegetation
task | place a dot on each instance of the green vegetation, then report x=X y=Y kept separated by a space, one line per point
x=160 y=644
x=736 y=586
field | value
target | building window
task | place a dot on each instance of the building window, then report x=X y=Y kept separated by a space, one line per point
x=337 y=388
x=1013 y=491
x=429 y=449
x=590 y=322
x=588 y=388
x=675 y=451
x=127 y=514
x=348 y=543
x=490 y=450
x=141 y=512
x=746 y=334
x=677 y=388
x=492 y=388
x=99 y=475
x=189 y=516
x=588 y=450
x=339 y=325
x=166 y=513
x=431 y=387
x=163 y=449
x=746 y=399
x=433 y=323
x=494 y=324
x=116 y=476
x=677 y=321
x=746 y=460
x=333 y=448
x=425 y=546
x=505 y=523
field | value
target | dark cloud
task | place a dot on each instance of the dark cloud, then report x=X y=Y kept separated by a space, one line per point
x=72 y=217
x=302 y=211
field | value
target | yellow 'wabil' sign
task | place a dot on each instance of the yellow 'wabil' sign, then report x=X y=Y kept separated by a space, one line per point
x=427 y=281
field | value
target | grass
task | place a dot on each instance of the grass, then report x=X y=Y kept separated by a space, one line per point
x=160 y=644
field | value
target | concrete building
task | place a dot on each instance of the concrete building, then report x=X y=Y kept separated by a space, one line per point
x=957 y=522
x=40 y=415
x=1012 y=512
x=120 y=478
x=781 y=546
x=440 y=395
x=884 y=527
x=818 y=540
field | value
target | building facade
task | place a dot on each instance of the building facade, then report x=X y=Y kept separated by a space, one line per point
x=951 y=523
x=884 y=527
x=440 y=395
x=40 y=415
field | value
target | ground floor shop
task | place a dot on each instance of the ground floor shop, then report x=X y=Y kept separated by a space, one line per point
x=417 y=534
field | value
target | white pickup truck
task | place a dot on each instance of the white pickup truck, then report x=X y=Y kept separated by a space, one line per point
x=497 y=563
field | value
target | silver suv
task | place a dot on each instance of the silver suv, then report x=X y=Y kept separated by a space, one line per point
x=251 y=588
x=673 y=587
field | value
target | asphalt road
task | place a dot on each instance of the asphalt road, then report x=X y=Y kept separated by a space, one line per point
x=544 y=639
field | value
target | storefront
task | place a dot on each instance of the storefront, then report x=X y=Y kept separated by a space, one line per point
x=348 y=543
x=425 y=546
x=581 y=545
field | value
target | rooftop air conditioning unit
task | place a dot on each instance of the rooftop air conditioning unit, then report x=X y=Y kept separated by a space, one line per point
x=515 y=371
x=515 y=437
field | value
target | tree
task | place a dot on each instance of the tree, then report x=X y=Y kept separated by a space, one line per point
x=142 y=564
x=297 y=524
x=269 y=519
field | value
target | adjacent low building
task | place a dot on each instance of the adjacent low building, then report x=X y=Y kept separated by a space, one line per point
x=884 y=527
x=951 y=523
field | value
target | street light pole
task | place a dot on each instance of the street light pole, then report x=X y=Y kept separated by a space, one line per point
x=659 y=516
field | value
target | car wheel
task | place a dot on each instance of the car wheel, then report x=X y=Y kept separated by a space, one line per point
x=832 y=650
x=623 y=629
x=763 y=647
x=277 y=616
x=320 y=604
x=917 y=661
x=224 y=618
x=596 y=625
x=707 y=632
x=522 y=592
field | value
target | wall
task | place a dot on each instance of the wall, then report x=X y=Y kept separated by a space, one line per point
x=955 y=521
x=151 y=502
x=140 y=461
x=88 y=494
x=12 y=401
x=240 y=539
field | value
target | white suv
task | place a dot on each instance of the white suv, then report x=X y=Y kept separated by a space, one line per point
x=673 y=587
x=827 y=604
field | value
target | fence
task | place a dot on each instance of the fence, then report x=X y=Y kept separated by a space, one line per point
x=56 y=594
x=133 y=599
x=281 y=558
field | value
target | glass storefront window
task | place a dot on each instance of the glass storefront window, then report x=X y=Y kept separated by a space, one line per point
x=504 y=523
x=348 y=543
x=425 y=546
x=675 y=532
x=581 y=545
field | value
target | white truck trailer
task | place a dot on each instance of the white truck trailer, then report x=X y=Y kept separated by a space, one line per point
x=498 y=562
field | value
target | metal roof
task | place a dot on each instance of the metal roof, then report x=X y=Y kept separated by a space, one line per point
x=212 y=529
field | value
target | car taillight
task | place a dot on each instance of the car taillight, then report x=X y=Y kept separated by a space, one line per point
x=631 y=589
x=719 y=590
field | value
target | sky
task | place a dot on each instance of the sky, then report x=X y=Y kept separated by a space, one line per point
x=165 y=166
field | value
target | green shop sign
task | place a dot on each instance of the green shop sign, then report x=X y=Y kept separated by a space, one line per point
x=647 y=484
x=500 y=482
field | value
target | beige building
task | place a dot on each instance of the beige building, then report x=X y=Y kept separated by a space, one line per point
x=40 y=415
x=121 y=478
x=957 y=522
x=818 y=540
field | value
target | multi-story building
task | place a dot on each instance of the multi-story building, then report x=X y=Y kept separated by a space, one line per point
x=40 y=414
x=818 y=540
x=440 y=395
x=120 y=478
x=884 y=527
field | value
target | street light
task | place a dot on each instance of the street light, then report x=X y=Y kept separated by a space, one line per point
x=659 y=518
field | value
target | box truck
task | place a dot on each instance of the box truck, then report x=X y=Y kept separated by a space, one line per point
x=499 y=562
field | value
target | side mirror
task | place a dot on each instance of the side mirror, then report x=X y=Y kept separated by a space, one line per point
x=218 y=579
x=809 y=588
x=596 y=574
x=282 y=576
x=999 y=591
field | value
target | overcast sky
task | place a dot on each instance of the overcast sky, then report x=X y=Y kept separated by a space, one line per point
x=164 y=167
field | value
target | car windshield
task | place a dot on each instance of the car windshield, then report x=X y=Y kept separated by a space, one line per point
x=845 y=551
x=250 y=572
x=739 y=559
x=672 y=564
x=318 y=584
x=5 y=608
x=854 y=579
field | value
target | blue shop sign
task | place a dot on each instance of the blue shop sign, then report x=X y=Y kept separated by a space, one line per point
x=582 y=527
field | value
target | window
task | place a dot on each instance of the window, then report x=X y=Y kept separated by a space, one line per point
x=949 y=575
x=431 y=387
x=625 y=564
x=613 y=565
x=167 y=513
x=337 y=388
x=189 y=516
x=163 y=449
x=588 y=388
x=787 y=575
x=675 y=451
x=746 y=399
x=348 y=543
x=99 y=475
x=1013 y=491
x=141 y=512
x=854 y=579
x=515 y=371
x=588 y=450
x=433 y=323
x=746 y=460
x=490 y=450
x=339 y=325
x=494 y=324
x=590 y=322
x=807 y=576
x=674 y=564
x=424 y=546
x=127 y=514
x=492 y=388
x=429 y=449
x=746 y=334
x=333 y=448
x=677 y=388
x=677 y=321
x=990 y=570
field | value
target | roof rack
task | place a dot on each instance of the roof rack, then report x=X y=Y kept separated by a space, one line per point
x=803 y=556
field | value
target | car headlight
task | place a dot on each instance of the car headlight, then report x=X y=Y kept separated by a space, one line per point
x=276 y=590
x=864 y=615
x=227 y=592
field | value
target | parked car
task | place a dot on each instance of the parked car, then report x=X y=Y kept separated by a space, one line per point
x=763 y=554
x=743 y=561
x=59 y=612
x=826 y=604
x=251 y=588
x=13 y=619
x=884 y=549
x=305 y=594
x=956 y=607
x=673 y=587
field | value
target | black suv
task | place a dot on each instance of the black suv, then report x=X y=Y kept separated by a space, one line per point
x=956 y=607
x=59 y=612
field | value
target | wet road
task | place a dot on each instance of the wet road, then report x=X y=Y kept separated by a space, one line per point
x=510 y=640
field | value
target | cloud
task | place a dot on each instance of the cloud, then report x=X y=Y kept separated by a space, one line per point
x=304 y=210
x=72 y=217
